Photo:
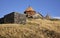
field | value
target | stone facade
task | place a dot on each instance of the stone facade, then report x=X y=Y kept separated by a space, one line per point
x=19 y=18
x=1 y=20
x=14 y=17
x=29 y=12
x=9 y=18
x=37 y=16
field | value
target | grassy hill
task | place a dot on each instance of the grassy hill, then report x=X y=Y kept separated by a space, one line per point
x=34 y=28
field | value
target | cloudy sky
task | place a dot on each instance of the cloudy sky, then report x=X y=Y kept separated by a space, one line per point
x=51 y=7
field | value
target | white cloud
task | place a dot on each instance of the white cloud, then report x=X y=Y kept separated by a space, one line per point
x=57 y=17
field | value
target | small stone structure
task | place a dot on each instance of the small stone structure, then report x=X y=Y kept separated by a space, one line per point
x=14 y=17
x=31 y=13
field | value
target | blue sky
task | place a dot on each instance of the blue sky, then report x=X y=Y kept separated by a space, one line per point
x=51 y=7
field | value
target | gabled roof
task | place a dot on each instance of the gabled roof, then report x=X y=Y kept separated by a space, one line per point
x=40 y=14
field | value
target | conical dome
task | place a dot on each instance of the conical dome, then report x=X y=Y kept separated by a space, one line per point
x=29 y=12
x=29 y=9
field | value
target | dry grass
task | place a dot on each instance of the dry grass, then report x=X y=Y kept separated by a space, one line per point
x=35 y=28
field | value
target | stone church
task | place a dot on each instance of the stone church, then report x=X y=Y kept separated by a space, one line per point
x=18 y=18
x=31 y=13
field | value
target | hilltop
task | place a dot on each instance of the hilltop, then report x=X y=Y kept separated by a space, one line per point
x=34 y=28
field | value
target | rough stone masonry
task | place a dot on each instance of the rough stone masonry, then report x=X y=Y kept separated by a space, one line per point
x=13 y=17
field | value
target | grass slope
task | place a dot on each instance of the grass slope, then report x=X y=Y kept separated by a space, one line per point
x=35 y=28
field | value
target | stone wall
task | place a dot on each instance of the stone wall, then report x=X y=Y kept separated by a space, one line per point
x=29 y=13
x=9 y=18
x=1 y=20
x=14 y=17
x=20 y=18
